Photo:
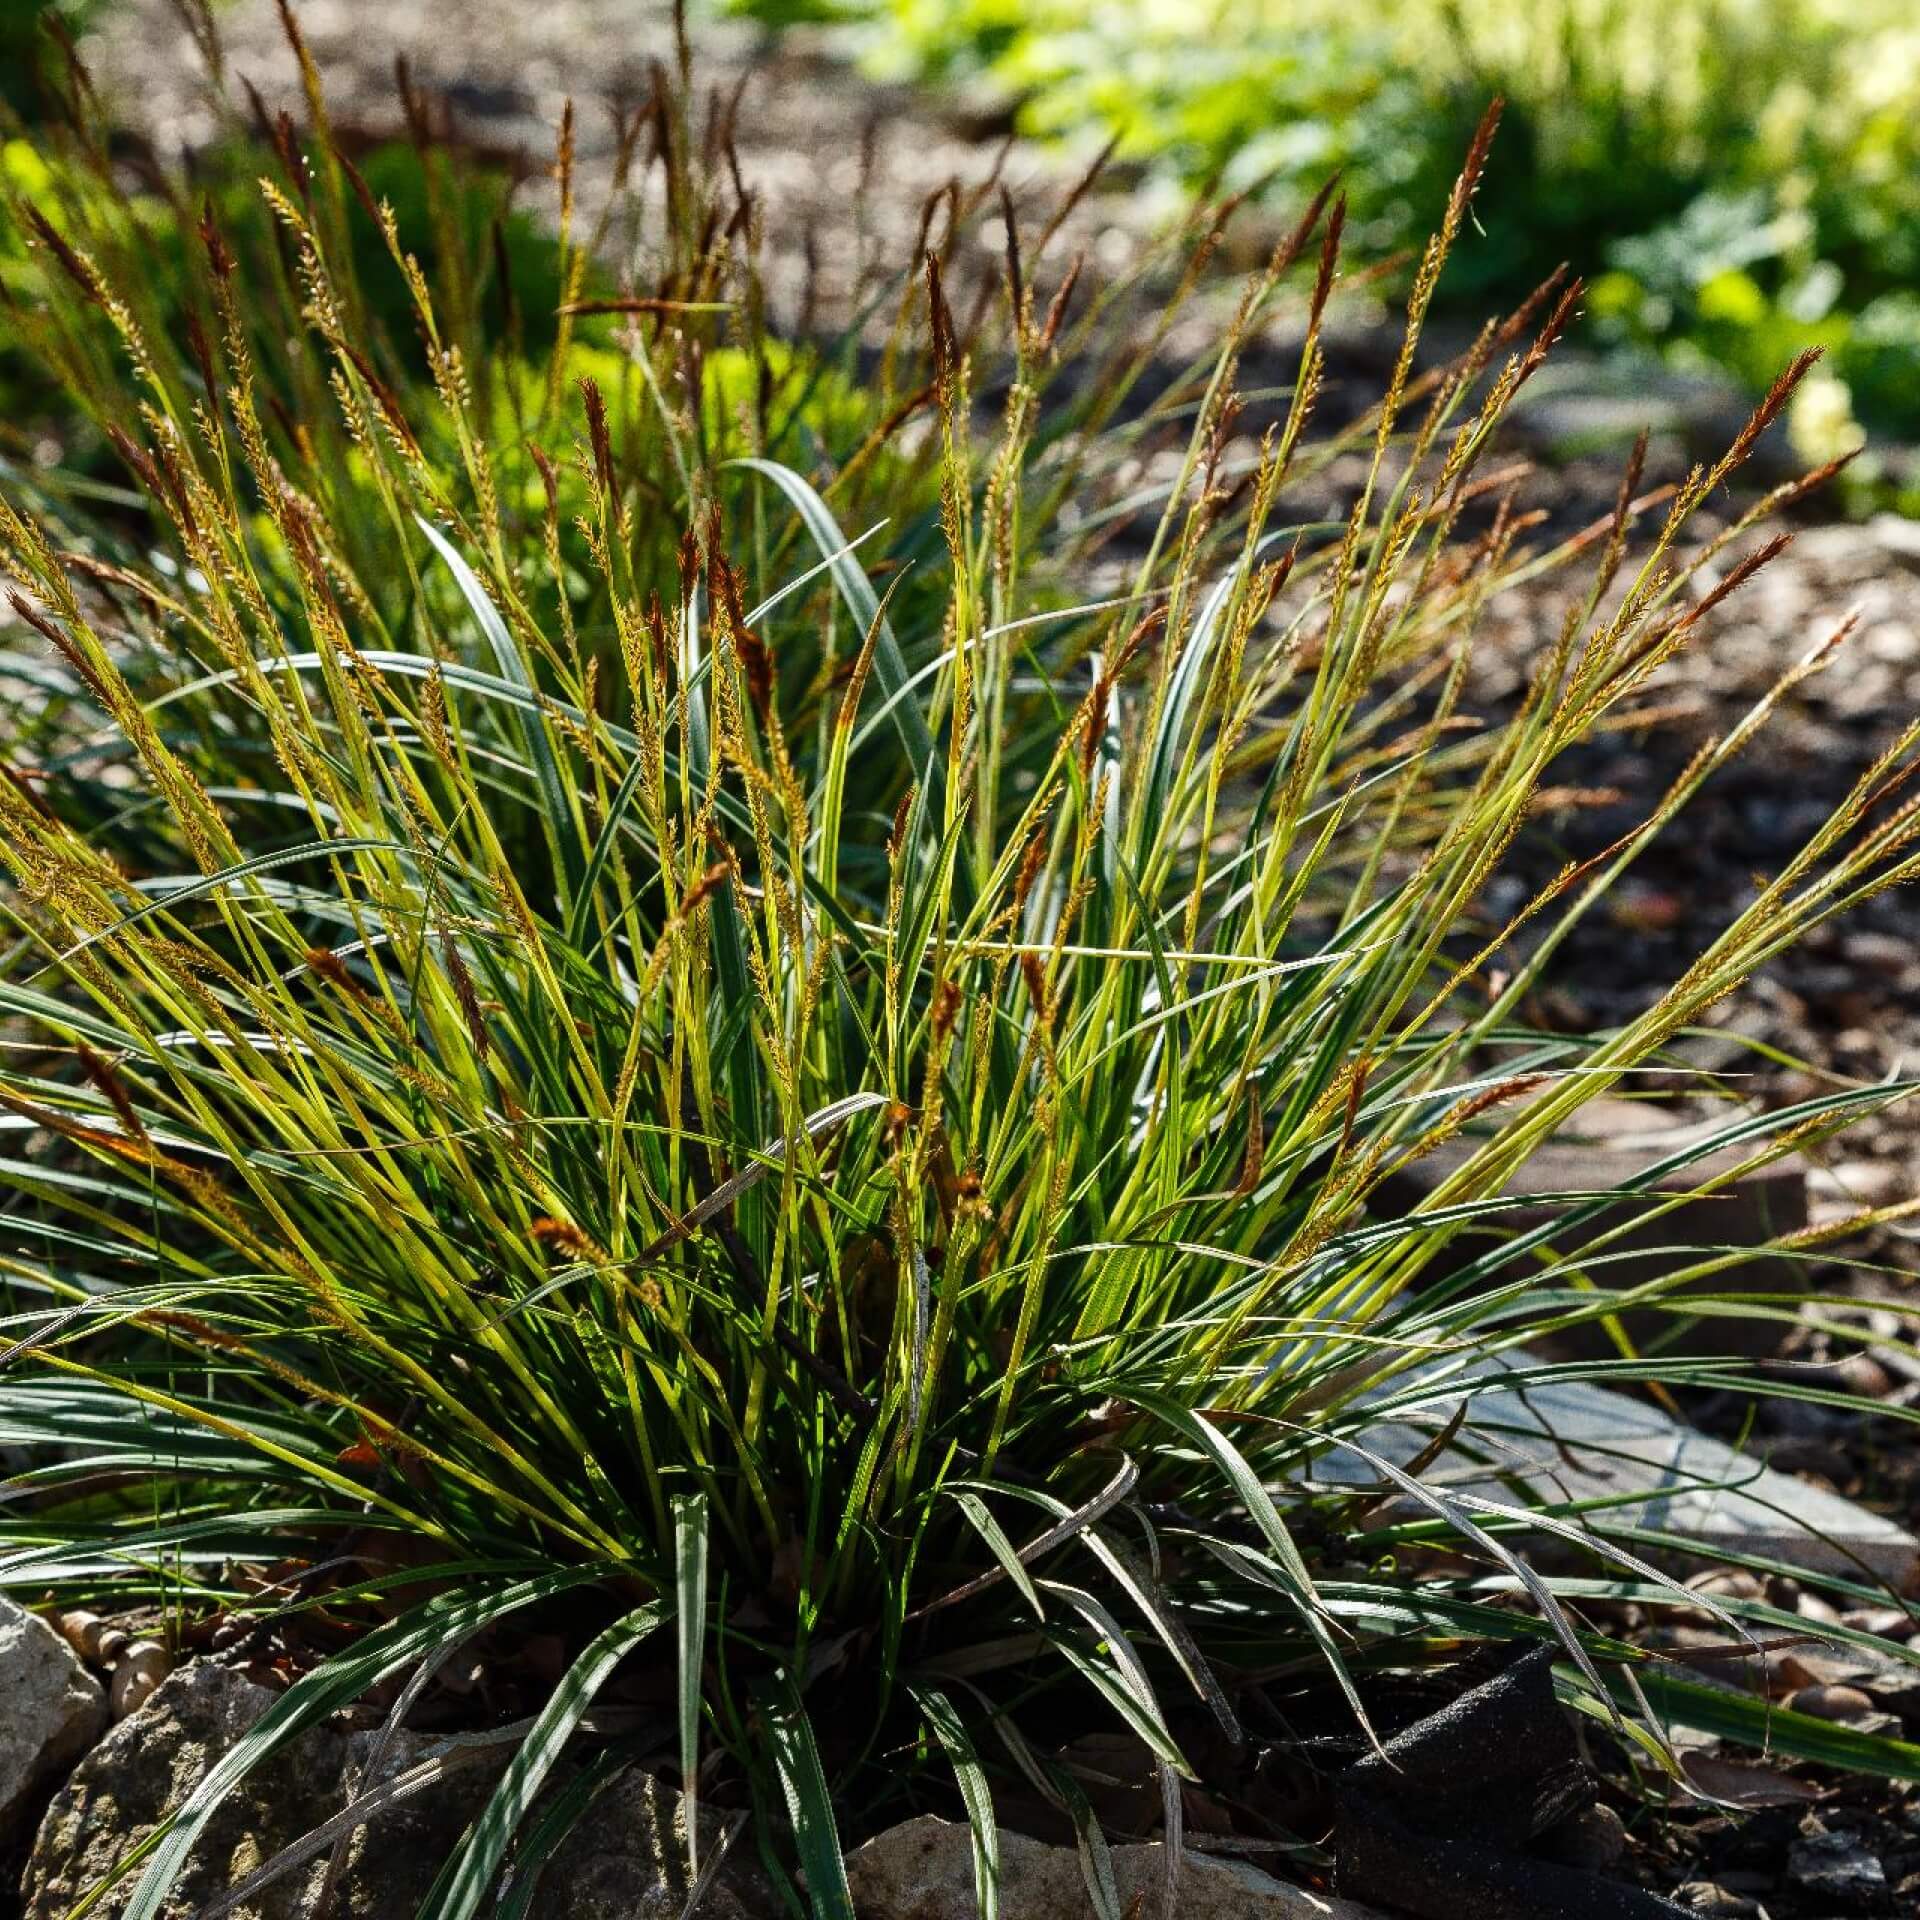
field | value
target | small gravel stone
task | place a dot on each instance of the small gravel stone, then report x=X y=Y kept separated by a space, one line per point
x=1720 y=1903
x=1896 y=1690
x=1837 y=1866
x=1595 y=1839
x=1889 y=1623
x=1831 y=1703
x=1888 y=1726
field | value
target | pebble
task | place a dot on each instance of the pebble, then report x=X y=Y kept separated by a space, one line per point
x=1880 y=1726
x=1860 y=1183
x=1889 y=1623
x=1704 y=1897
x=1836 y=1866
x=137 y=1676
x=1594 y=1839
x=1796 y=1669
x=1861 y=1373
x=1881 y=952
x=1897 y=1689
x=1848 y=1373
x=1895 y=535
x=1891 y=640
x=1831 y=1703
x=1809 y=1606
x=1728 y=1583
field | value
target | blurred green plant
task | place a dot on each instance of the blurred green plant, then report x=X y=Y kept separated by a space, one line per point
x=632 y=1014
x=30 y=36
x=502 y=266
x=1745 y=173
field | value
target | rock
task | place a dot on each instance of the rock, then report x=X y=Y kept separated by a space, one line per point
x=1839 y=1192
x=1896 y=535
x=51 y=1712
x=923 y=1870
x=137 y=1676
x=151 y=1760
x=1885 y=1623
x=1745 y=1783
x=1457 y=1813
x=1593 y=1838
x=1831 y=1703
x=1836 y=1866
x=1607 y=1143
x=1896 y=1690
x=1879 y=1726
x=1716 y=1902
x=1570 y=1440
x=92 y=1638
x=1728 y=1583
x=625 y=1861
x=1792 y=1668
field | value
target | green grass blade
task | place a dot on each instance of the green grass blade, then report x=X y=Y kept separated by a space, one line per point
x=950 y=1730
x=980 y=1518
x=1766 y=1725
x=556 y=801
x=471 y=1870
x=178 y=892
x=690 y=1627
x=796 y=1759
x=889 y=663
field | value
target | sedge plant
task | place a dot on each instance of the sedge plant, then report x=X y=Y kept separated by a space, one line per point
x=599 y=1044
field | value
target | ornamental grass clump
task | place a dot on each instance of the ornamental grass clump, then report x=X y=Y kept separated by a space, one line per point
x=634 y=1022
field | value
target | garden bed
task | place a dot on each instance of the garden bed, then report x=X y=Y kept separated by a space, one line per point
x=418 y=1192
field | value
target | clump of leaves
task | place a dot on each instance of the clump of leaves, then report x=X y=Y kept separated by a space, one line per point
x=579 y=1066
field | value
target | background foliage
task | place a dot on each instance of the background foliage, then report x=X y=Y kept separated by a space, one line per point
x=1740 y=177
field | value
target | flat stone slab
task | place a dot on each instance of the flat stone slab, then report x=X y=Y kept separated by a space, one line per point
x=1570 y=1440
x=1609 y=1143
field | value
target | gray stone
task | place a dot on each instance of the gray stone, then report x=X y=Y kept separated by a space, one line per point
x=625 y=1861
x=51 y=1712
x=1603 y=1145
x=1835 y=1866
x=1897 y=535
x=1570 y=1440
x=1592 y=1838
x=1704 y=1897
x=923 y=1870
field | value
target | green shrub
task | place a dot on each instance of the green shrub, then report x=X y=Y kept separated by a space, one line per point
x=576 y=1065
x=1668 y=143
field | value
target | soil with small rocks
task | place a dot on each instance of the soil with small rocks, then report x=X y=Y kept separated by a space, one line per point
x=845 y=168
